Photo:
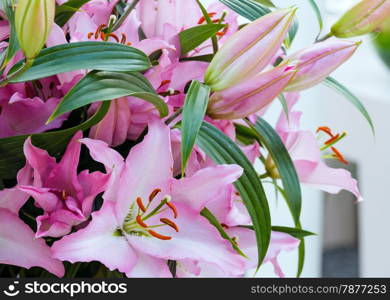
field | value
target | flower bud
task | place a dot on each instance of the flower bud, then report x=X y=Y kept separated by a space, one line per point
x=316 y=62
x=251 y=95
x=249 y=50
x=363 y=18
x=33 y=22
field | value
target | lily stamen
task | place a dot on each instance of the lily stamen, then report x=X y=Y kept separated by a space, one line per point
x=170 y=223
x=173 y=209
x=337 y=154
x=140 y=204
x=159 y=236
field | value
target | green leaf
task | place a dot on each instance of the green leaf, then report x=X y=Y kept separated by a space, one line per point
x=337 y=86
x=103 y=56
x=268 y=137
x=214 y=221
x=224 y=151
x=245 y=134
x=65 y=11
x=13 y=44
x=195 y=36
x=292 y=33
x=103 y=85
x=317 y=11
x=284 y=104
x=11 y=148
x=214 y=40
x=205 y=58
x=265 y=3
x=194 y=110
x=294 y=232
x=247 y=8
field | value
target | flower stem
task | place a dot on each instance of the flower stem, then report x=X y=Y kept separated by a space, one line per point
x=20 y=71
x=125 y=15
x=324 y=38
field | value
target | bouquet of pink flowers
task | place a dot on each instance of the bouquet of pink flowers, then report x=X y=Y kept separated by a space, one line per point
x=134 y=141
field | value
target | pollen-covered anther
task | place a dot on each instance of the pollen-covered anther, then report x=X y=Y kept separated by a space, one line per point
x=140 y=204
x=154 y=194
x=90 y=35
x=173 y=209
x=337 y=154
x=99 y=30
x=159 y=236
x=170 y=223
x=140 y=222
x=325 y=129
x=332 y=139
x=114 y=36
x=202 y=19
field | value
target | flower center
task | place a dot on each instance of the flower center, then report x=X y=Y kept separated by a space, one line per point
x=99 y=33
x=135 y=224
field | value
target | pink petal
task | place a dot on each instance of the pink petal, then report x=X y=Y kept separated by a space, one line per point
x=20 y=247
x=97 y=242
x=205 y=185
x=149 y=267
x=148 y=167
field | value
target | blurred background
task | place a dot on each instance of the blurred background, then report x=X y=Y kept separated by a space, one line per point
x=353 y=238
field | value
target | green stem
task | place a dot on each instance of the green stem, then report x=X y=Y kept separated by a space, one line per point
x=174 y=116
x=324 y=38
x=125 y=15
x=214 y=39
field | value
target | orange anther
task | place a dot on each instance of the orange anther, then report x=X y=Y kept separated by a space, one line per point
x=173 y=208
x=159 y=236
x=325 y=129
x=339 y=156
x=170 y=223
x=154 y=194
x=140 y=204
x=332 y=139
x=140 y=222
x=90 y=35
x=114 y=36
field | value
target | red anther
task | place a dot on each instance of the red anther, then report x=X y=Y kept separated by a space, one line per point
x=216 y=20
x=220 y=33
x=153 y=194
x=103 y=36
x=170 y=223
x=339 y=156
x=98 y=30
x=140 y=222
x=325 y=129
x=140 y=204
x=159 y=236
x=124 y=38
x=129 y=44
x=164 y=82
x=90 y=35
x=114 y=36
x=173 y=208
x=332 y=139
x=202 y=19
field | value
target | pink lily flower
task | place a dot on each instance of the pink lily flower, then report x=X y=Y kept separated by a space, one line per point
x=19 y=246
x=148 y=217
x=23 y=112
x=65 y=197
x=306 y=155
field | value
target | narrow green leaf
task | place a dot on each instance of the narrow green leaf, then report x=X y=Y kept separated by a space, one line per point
x=245 y=134
x=292 y=33
x=268 y=137
x=224 y=151
x=214 y=40
x=65 y=11
x=284 y=104
x=103 y=56
x=214 y=221
x=294 y=232
x=11 y=148
x=265 y=2
x=337 y=86
x=317 y=11
x=194 y=110
x=205 y=58
x=195 y=36
x=103 y=85
x=247 y=8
